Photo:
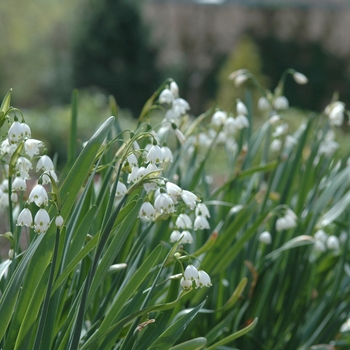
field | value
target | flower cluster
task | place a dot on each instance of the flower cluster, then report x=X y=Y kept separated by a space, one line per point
x=324 y=242
x=191 y=274
x=19 y=151
x=287 y=221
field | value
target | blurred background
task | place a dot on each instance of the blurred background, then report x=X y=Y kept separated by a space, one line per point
x=126 y=48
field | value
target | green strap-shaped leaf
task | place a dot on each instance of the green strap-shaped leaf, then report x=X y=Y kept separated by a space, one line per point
x=193 y=344
x=171 y=334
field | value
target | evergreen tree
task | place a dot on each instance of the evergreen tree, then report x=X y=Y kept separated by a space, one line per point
x=112 y=53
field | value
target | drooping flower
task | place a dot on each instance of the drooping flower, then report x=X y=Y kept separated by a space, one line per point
x=203 y=280
x=242 y=121
x=175 y=236
x=219 y=118
x=41 y=221
x=265 y=237
x=300 y=78
x=164 y=204
x=59 y=221
x=31 y=147
x=38 y=195
x=183 y=221
x=241 y=108
x=189 y=198
x=185 y=284
x=120 y=190
x=191 y=273
x=174 y=89
x=15 y=132
x=186 y=237
x=25 y=218
x=166 y=96
x=155 y=155
x=281 y=103
x=147 y=211
x=173 y=190
x=19 y=184
x=263 y=104
x=201 y=223
x=44 y=164
x=202 y=209
x=276 y=145
x=168 y=155
x=333 y=243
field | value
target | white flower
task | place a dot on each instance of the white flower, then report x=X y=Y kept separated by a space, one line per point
x=281 y=103
x=265 y=237
x=219 y=118
x=132 y=177
x=185 y=284
x=41 y=221
x=201 y=223
x=45 y=163
x=7 y=148
x=121 y=190
x=186 y=237
x=241 y=108
x=281 y=130
x=300 y=78
x=174 y=89
x=155 y=155
x=276 y=145
x=203 y=210
x=149 y=186
x=240 y=79
x=319 y=246
x=203 y=280
x=14 y=197
x=191 y=273
x=263 y=104
x=31 y=147
x=173 y=190
x=274 y=119
x=236 y=73
x=132 y=160
x=345 y=327
x=26 y=130
x=164 y=204
x=230 y=125
x=141 y=173
x=147 y=211
x=59 y=221
x=175 y=236
x=25 y=218
x=166 y=96
x=38 y=195
x=15 y=132
x=23 y=166
x=320 y=235
x=19 y=184
x=168 y=155
x=180 y=106
x=190 y=199
x=333 y=243
x=242 y=121
x=47 y=175
x=336 y=114
x=183 y=221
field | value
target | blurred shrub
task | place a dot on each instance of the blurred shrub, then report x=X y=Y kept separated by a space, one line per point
x=112 y=52
x=245 y=55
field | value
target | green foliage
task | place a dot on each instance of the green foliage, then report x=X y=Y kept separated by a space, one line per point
x=107 y=279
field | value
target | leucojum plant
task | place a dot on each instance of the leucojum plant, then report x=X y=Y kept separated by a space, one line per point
x=135 y=245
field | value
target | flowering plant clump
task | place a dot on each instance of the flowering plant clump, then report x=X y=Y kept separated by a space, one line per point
x=138 y=235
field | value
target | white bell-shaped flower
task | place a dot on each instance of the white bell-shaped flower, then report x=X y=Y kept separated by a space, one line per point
x=241 y=108
x=185 y=284
x=141 y=173
x=19 y=184
x=174 y=89
x=300 y=78
x=59 y=221
x=166 y=96
x=25 y=218
x=230 y=125
x=132 y=160
x=202 y=209
x=155 y=155
x=281 y=103
x=219 y=118
x=31 y=147
x=164 y=204
x=147 y=211
x=173 y=190
x=321 y=235
x=180 y=136
x=201 y=223
x=280 y=130
x=191 y=273
x=276 y=145
x=175 y=236
x=168 y=155
x=263 y=104
x=149 y=186
x=23 y=166
x=186 y=237
x=41 y=221
x=336 y=114
x=203 y=280
x=183 y=221
x=242 y=121
x=132 y=177
x=44 y=164
x=26 y=130
x=15 y=132
x=190 y=199
x=180 y=106
x=120 y=190
x=48 y=176
x=265 y=237
x=38 y=195
x=333 y=243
